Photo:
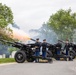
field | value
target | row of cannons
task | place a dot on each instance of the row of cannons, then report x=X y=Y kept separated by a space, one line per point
x=26 y=52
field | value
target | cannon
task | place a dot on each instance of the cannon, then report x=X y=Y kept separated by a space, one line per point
x=52 y=50
x=25 y=52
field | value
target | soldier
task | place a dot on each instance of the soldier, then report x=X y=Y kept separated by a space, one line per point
x=37 y=47
x=67 y=46
x=44 y=48
x=58 y=48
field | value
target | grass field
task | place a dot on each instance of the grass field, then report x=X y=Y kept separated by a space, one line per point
x=6 y=60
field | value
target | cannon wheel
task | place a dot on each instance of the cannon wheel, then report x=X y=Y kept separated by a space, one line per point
x=20 y=56
x=72 y=55
x=30 y=59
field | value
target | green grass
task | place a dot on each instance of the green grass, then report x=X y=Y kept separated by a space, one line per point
x=6 y=60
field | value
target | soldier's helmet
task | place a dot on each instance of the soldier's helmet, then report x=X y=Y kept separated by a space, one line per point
x=44 y=40
x=37 y=39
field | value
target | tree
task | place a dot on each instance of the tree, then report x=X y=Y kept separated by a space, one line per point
x=6 y=18
x=63 y=22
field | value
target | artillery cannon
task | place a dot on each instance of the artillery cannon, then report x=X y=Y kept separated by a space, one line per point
x=25 y=52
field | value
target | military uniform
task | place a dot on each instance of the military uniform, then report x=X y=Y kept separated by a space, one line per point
x=58 y=49
x=37 y=50
x=44 y=48
x=66 y=47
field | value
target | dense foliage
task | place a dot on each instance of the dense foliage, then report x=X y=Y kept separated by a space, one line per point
x=6 y=18
x=63 y=22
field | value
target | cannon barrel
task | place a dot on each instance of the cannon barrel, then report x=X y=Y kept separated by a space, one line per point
x=6 y=41
x=18 y=44
x=32 y=39
x=14 y=44
x=62 y=41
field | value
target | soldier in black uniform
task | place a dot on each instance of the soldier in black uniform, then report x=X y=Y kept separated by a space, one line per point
x=58 y=47
x=37 y=49
x=44 y=48
x=67 y=46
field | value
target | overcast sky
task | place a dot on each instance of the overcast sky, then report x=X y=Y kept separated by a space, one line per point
x=29 y=14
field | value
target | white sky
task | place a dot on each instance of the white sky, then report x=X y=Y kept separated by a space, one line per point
x=30 y=14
